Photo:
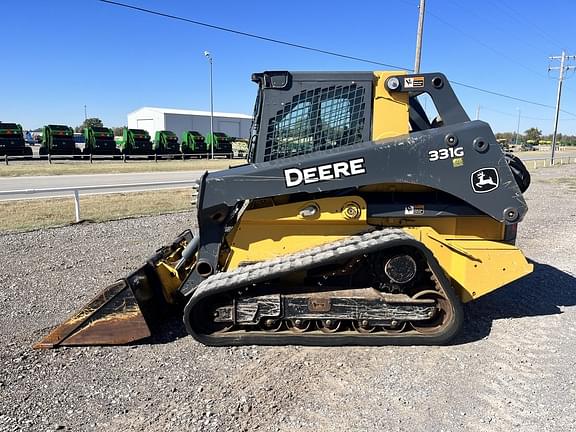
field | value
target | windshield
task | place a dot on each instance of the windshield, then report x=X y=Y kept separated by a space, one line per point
x=59 y=128
x=10 y=126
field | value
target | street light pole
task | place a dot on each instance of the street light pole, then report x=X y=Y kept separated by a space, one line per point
x=85 y=115
x=212 y=138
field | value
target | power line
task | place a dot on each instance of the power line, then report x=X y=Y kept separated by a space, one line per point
x=482 y=43
x=494 y=24
x=524 y=21
x=251 y=35
x=488 y=47
x=309 y=48
x=486 y=108
x=507 y=96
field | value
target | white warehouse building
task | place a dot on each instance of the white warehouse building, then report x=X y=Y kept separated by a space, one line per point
x=154 y=119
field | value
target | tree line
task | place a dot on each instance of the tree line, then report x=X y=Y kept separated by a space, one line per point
x=96 y=122
x=535 y=135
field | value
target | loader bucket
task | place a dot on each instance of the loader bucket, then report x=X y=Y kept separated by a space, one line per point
x=113 y=317
x=128 y=310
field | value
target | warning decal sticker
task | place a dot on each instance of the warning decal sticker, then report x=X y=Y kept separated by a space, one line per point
x=413 y=82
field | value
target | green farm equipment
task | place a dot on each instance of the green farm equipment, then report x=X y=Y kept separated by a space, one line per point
x=222 y=143
x=100 y=141
x=135 y=142
x=12 y=141
x=193 y=143
x=166 y=142
x=58 y=140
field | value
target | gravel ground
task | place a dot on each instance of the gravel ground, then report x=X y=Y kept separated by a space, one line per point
x=513 y=368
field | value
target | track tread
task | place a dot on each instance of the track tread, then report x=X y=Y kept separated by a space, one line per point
x=348 y=247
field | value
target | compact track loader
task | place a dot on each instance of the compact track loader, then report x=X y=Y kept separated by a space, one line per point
x=357 y=220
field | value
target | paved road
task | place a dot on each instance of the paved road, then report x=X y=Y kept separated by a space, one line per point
x=60 y=181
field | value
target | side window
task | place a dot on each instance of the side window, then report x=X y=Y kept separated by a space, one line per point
x=315 y=120
x=335 y=118
x=295 y=123
x=293 y=131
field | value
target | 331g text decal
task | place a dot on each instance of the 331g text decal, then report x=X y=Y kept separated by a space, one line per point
x=445 y=153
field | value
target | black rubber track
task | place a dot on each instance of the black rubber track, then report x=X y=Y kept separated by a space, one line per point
x=228 y=282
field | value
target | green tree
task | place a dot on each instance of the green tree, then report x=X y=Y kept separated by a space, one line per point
x=89 y=122
x=508 y=136
x=534 y=134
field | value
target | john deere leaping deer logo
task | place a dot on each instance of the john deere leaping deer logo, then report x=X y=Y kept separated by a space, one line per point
x=484 y=180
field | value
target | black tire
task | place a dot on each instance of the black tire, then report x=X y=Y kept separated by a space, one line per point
x=519 y=171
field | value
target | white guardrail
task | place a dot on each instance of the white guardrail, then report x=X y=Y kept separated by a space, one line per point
x=547 y=162
x=76 y=190
x=123 y=157
x=530 y=162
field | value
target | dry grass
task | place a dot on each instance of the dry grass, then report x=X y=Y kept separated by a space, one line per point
x=569 y=182
x=41 y=213
x=42 y=168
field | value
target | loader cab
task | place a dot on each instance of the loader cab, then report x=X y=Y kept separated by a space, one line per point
x=298 y=113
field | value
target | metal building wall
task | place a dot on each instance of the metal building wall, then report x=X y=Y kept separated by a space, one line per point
x=154 y=119
x=179 y=123
x=147 y=119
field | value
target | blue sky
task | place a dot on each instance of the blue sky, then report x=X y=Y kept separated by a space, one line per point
x=59 y=55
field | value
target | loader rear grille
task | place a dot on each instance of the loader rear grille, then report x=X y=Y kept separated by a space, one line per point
x=317 y=119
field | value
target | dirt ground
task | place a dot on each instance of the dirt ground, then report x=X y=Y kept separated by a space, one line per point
x=512 y=368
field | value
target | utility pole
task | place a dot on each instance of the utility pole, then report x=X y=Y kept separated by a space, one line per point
x=562 y=69
x=517 y=127
x=478 y=112
x=85 y=115
x=422 y=8
x=212 y=138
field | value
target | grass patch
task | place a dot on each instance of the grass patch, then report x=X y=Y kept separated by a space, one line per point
x=569 y=182
x=42 y=168
x=41 y=213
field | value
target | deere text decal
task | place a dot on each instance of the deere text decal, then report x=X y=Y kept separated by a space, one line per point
x=336 y=170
